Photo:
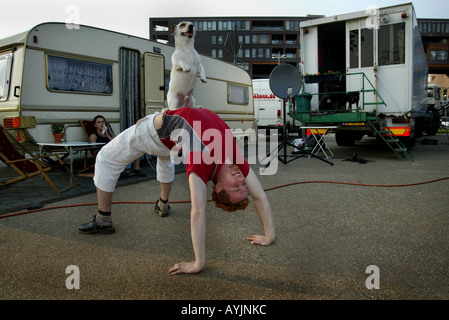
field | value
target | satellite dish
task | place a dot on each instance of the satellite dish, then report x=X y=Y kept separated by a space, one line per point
x=285 y=81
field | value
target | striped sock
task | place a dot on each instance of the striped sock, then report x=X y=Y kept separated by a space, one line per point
x=103 y=219
x=163 y=204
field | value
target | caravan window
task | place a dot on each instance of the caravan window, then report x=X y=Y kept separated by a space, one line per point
x=66 y=74
x=238 y=94
x=392 y=44
x=5 y=74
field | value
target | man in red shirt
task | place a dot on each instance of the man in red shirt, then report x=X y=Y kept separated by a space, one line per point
x=209 y=152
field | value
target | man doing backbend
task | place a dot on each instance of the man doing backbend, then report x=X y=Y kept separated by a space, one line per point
x=209 y=152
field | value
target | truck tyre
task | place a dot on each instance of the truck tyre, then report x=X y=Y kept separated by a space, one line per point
x=434 y=124
x=344 y=139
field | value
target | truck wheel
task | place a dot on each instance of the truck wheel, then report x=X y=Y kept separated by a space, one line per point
x=344 y=139
x=434 y=124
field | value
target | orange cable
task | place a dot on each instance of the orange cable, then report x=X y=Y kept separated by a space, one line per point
x=269 y=189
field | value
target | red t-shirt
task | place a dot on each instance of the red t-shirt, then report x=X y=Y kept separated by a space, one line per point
x=205 y=139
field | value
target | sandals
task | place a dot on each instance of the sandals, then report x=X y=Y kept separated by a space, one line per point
x=162 y=213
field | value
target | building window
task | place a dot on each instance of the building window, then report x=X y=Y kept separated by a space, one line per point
x=242 y=25
x=263 y=39
x=247 y=53
x=225 y=25
x=255 y=39
x=438 y=55
x=268 y=53
x=254 y=53
x=244 y=65
x=291 y=25
x=214 y=53
x=214 y=39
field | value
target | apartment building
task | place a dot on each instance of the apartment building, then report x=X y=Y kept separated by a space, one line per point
x=256 y=44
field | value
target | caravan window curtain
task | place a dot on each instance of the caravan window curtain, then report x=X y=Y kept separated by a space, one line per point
x=72 y=75
x=238 y=94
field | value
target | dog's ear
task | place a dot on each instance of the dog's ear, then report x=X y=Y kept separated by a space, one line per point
x=173 y=29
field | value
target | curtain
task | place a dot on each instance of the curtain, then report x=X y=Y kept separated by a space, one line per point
x=129 y=87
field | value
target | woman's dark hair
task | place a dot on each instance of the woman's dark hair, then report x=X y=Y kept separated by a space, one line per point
x=99 y=116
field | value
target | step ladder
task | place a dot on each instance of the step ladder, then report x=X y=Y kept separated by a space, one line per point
x=392 y=141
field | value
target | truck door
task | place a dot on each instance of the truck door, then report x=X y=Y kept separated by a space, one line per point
x=361 y=58
x=155 y=88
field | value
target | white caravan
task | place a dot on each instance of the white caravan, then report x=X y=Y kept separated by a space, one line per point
x=55 y=74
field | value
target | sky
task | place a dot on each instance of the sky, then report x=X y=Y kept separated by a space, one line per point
x=132 y=16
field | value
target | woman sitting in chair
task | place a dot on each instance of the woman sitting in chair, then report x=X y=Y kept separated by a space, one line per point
x=102 y=133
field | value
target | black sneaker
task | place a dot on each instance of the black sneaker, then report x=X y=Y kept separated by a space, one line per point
x=94 y=227
x=162 y=213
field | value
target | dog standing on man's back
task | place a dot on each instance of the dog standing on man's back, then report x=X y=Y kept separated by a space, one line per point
x=186 y=67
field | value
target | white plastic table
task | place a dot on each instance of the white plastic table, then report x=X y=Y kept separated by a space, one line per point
x=70 y=148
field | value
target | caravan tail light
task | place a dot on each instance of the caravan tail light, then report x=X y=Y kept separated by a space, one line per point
x=12 y=122
x=279 y=114
x=20 y=122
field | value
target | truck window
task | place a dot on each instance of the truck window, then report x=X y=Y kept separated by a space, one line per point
x=354 y=49
x=72 y=75
x=367 y=46
x=5 y=75
x=392 y=44
x=238 y=94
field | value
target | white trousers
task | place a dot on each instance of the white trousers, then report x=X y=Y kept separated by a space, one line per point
x=126 y=147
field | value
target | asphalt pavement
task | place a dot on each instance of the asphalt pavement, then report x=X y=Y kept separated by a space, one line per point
x=369 y=230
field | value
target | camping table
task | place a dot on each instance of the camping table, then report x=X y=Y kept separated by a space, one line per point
x=70 y=148
x=318 y=134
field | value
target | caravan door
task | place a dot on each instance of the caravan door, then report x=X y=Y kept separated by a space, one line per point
x=155 y=86
x=361 y=58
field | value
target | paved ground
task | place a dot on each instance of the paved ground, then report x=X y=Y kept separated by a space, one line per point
x=328 y=235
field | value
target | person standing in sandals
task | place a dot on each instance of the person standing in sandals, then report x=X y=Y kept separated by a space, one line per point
x=209 y=153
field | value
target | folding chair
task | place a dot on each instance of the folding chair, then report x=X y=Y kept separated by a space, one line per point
x=26 y=164
x=89 y=129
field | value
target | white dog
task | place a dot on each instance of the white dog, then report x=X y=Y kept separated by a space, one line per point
x=186 y=67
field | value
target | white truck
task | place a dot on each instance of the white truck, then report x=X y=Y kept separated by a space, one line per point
x=268 y=108
x=367 y=73
x=53 y=73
